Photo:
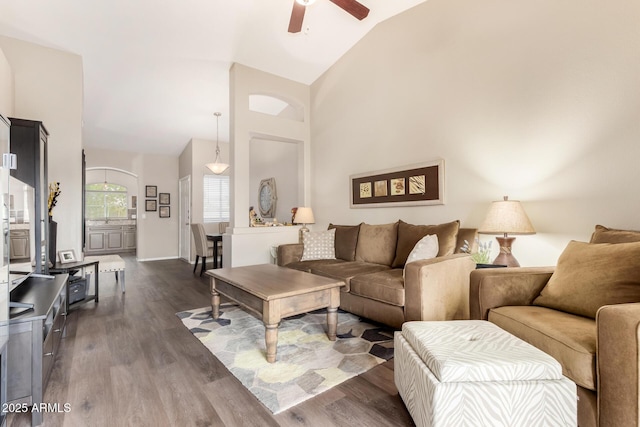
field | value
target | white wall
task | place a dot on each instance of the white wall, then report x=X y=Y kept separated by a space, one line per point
x=539 y=101
x=6 y=86
x=48 y=86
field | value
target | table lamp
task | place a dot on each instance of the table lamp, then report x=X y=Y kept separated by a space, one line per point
x=506 y=217
x=304 y=216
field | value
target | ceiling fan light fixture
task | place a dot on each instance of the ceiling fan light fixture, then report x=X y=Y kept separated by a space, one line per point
x=217 y=167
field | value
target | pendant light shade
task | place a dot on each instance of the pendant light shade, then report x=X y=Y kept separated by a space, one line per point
x=217 y=167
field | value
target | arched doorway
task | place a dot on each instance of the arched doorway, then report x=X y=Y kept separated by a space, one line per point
x=111 y=211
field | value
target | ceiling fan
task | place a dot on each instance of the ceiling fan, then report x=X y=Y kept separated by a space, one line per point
x=358 y=10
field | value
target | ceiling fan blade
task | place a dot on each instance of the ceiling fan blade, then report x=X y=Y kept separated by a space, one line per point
x=358 y=10
x=297 y=15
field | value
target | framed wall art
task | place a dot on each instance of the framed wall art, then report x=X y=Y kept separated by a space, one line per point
x=164 y=212
x=412 y=185
x=151 y=190
x=164 y=199
x=151 y=205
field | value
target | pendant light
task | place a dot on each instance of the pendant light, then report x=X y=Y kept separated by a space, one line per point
x=217 y=167
x=106 y=185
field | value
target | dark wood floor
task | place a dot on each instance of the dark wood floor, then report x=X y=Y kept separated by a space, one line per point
x=129 y=361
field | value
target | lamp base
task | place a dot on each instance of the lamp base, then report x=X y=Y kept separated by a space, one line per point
x=506 y=257
x=303 y=230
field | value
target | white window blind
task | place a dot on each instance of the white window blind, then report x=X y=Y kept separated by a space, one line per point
x=216 y=198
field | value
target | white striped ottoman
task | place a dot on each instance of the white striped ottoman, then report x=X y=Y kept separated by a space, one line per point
x=472 y=373
x=108 y=263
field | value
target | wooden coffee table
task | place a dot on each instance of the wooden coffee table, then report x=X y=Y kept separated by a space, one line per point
x=275 y=292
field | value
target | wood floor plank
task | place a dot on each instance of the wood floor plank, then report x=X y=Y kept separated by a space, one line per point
x=236 y=406
x=128 y=360
x=136 y=396
x=183 y=403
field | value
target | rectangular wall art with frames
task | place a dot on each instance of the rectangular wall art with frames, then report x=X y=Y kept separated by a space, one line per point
x=165 y=212
x=164 y=199
x=412 y=185
x=151 y=190
x=150 y=205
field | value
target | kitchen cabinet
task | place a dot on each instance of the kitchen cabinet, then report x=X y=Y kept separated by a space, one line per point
x=129 y=237
x=19 y=246
x=106 y=239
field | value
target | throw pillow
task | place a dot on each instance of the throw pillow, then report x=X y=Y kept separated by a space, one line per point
x=409 y=235
x=590 y=275
x=603 y=234
x=377 y=243
x=346 y=241
x=426 y=248
x=318 y=245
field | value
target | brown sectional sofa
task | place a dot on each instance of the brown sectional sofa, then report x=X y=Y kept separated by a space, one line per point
x=371 y=260
x=585 y=313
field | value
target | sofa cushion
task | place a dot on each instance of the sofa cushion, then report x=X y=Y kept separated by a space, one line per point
x=385 y=286
x=377 y=243
x=590 y=275
x=570 y=339
x=603 y=234
x=318 y=245
x=346 y=270
x=306 y=266
x=426 y=248
x=346 y=241
x=409 y=235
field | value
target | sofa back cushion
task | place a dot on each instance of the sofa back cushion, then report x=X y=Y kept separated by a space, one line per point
x=346 y=241
x=409 y=235
x=377 y=243
x=589 y=276
x=603 y=234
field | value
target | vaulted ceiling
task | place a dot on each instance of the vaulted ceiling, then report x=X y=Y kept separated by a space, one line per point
x=155 y=71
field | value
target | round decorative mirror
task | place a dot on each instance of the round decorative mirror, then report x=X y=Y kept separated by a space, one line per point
x=267 y=197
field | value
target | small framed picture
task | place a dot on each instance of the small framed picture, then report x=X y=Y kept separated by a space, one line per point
x=150 y=205
x=151 y=190
x=165 y=212
x=365 y=190
x=397 y=186
x=417 y=184
x=380 y=188
x=164 y=199
x=67 y=256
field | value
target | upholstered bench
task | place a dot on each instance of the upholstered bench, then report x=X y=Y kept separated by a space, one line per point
x=471 y=372
x=110 y=263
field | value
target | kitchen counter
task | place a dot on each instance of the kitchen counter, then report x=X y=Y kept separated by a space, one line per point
x=111 y=222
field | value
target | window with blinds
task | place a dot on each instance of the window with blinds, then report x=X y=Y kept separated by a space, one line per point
x=216 y=198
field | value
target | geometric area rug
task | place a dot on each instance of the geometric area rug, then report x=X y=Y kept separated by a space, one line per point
x=307 y=362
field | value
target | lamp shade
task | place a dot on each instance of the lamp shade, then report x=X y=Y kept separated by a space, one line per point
x=506 y=217
x=216 y=167
x=304 y=216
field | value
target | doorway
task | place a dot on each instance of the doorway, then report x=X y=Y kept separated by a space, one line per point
x=185 y=218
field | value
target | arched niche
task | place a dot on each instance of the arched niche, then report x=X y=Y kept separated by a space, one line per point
x=276 y=106
x=280 y=159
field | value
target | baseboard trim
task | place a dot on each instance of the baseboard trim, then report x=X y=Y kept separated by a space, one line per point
x=157 y=259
